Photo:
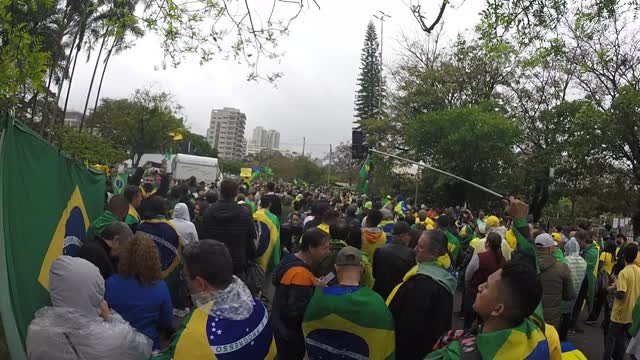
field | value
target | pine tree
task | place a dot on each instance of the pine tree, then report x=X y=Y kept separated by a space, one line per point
x=371 y=91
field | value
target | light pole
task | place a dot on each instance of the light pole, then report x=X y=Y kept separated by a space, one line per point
x=382 y=18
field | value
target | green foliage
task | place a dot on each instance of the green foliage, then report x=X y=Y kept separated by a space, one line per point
x=199 y=145
x=87 y=147
x=138 y=125
x=232 y=167
x=370 y=89
x=472 y=142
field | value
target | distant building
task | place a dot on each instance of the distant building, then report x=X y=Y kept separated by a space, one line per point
x=226 y=132
x=263 y=139
x=72 y=119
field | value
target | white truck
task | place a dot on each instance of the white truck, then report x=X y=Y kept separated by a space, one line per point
x=203 y=168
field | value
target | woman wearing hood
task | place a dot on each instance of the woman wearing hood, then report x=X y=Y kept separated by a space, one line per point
x=184 y=226
x=79 y=325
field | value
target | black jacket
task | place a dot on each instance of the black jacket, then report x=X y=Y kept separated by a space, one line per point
x=98 y=253
x=391 y=262
x=422 y=312
x=293 y=280
x=276 y=204
x=233 y=225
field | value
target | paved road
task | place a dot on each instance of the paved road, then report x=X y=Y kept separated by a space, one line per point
x=591 y=343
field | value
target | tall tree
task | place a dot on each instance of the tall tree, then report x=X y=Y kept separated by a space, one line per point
x=370 y=83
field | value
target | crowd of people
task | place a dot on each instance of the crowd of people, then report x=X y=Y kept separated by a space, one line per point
x=259 y=272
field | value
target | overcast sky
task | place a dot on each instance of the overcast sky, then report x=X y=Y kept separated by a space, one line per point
x=315 y=97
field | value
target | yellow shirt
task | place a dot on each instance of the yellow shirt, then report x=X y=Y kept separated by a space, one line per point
x=637 y=259
x=608 y=260
x=629 y=283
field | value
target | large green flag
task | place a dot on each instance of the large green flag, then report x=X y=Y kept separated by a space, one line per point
x=47 y=201
x=364 y=175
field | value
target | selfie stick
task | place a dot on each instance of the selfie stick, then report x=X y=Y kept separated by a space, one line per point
x=439 y=171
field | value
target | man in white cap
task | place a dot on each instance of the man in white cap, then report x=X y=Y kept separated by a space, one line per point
x=557 y=284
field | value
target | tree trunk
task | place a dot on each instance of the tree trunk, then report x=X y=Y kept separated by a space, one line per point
x=34 y=106
x=66 y=68
x=73 y=70
x=93 y=76
x=43 y=121
x=104 y=70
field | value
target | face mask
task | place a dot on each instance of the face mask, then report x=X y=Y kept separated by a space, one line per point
x=202 y=298
x=147 y=187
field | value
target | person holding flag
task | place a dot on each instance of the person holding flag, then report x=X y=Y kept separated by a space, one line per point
x=347 y=317
x=268 y=243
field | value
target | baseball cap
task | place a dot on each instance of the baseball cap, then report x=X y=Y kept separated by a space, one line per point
x=556 y=236
x=401 y=227
x=349 y=256
x=492 y=221
x=545 y=240
x=368 y=205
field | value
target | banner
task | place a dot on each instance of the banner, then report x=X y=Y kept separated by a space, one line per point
x=47 y=201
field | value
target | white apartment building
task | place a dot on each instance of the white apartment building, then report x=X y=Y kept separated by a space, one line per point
x=263 y=139
x=226 y=132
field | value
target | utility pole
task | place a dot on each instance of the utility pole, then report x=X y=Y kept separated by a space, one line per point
x=329 y=168
x=382 y=18
x=304 y=143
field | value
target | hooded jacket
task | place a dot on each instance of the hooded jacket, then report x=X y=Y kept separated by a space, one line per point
x=72 y=328
x=372 y=238
x=184 y=226
x=294 y=283
x=233 y=225
x=556 y=286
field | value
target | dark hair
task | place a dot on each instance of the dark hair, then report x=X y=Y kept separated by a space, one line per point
x=265 y=202
x=630 y=253
x=204 y=205
x=415 y=236
x=130 y=192
x=319 y=207
x=199 y=256
x=330 y=216
x=228 y=189
x=155 y=205
x=271 y=186
x=339 y=229
x=610 y=247
x=523 y=291
x=444 y=221
x=438 y=244
x=211 y=196
x=494 y=244
x=351 y=210
x=583 y=235
x=312 y=238
x=409 y=219
x=118 y=203
x=373 y=218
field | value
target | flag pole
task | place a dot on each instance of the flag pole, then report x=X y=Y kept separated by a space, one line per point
x=439 y=171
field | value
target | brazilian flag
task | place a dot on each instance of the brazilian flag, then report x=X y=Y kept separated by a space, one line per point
x=169 y=243
x=343 y=322
x=120 y=183
x=47 y=201
x=364 y=175
x=205 y=334
x=523 y=342
x=268 y=240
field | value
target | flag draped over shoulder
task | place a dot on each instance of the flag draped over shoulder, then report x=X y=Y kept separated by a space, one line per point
x=523 y=342
x=364 y=175
x=635 y=325
x=63 y=197
x=268 y=241
x=332 y=328
x=591 y=257
x=120 y=183
x=169 y=243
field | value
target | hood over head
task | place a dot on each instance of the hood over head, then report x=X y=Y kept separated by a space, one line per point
x=76 y=283
x=180 y=211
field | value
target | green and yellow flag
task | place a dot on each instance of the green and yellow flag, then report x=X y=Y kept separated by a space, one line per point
x=47 y=201
x=364 y=175
x=333 y=330
x=120 y=183
x=268 y=241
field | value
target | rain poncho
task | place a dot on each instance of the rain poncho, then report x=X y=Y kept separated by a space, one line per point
x=183 y=224
x=72 y=328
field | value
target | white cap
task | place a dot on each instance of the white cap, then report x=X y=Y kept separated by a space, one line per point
x=545 y=240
